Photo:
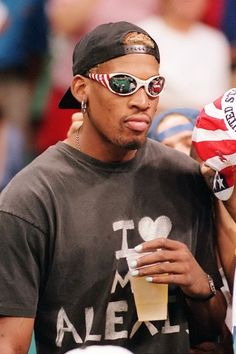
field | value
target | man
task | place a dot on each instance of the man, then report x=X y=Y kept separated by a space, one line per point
x=69 y=219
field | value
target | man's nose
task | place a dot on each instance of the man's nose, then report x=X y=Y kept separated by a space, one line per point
x=140 y=99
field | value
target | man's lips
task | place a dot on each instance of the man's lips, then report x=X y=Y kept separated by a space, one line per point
x=138 y=124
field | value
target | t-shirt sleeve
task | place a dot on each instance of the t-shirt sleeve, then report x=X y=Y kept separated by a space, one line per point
x=22 y=255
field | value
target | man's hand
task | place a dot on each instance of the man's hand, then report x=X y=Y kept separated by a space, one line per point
x=77 y=121
x=171 y=262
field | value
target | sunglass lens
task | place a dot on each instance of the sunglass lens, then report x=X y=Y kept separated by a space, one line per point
x=155 y=86
x=122 y=84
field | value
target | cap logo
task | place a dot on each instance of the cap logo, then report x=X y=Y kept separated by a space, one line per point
x=135 y=38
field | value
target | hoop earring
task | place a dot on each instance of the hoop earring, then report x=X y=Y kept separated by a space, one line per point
x=83 y=107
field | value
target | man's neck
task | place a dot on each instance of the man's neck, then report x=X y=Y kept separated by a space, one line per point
x=109 y=154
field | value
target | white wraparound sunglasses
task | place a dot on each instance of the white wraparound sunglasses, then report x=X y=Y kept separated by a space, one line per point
x=124 y=84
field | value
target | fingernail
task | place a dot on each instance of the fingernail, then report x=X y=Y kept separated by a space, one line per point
x=138 y=248
x=133 y=264
x=149 y=279
x=134 y=273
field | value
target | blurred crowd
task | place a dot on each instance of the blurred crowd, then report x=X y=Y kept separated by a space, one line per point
x=197 y=40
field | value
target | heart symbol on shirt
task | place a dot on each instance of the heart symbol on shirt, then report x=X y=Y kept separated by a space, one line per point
x=149 y=229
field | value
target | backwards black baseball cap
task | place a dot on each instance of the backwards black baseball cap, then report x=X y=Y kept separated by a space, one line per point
x=105 y=42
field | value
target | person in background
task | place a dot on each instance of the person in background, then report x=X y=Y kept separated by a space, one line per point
x=68 y=220
x=229 y=28
x=196 y=57
x=12 y=153
x=23 y=46
x=214 y=146
x=221 y=14
x=174 y=128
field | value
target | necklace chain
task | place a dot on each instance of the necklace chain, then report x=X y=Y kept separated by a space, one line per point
x=77 y=142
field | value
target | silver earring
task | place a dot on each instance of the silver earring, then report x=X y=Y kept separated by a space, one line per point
x=83 y=107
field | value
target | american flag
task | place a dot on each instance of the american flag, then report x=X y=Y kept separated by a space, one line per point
x=214 y=139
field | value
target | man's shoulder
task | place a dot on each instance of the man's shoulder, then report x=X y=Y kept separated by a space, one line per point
x=174 y=177
x=45 y=163
x=163 y=155
x=176 y=166
x=34 y=178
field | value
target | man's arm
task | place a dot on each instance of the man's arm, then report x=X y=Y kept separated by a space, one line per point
x=230 y=204
x=206 y=319
x=226 y=241
x=225 y=222
x=15 y=334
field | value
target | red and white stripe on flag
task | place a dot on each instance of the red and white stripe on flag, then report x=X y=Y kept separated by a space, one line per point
x=214 y=139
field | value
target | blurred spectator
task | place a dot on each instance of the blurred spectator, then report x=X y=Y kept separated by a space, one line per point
x=229 y=28
x=221 y=14
x=69 y=20
x=229 y=21
x=174 y=128
x=23 y=43
x=214 y=13
x=11 y=150
x=195 y=56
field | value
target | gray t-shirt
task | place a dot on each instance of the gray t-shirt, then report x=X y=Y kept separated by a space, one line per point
x=66 y=223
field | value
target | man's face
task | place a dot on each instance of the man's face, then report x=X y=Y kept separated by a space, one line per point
x=122 y=121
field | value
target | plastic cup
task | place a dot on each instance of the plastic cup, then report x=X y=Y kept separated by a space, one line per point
x=150 y=299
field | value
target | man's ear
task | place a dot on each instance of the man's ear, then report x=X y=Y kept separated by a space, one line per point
x=79 y=88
